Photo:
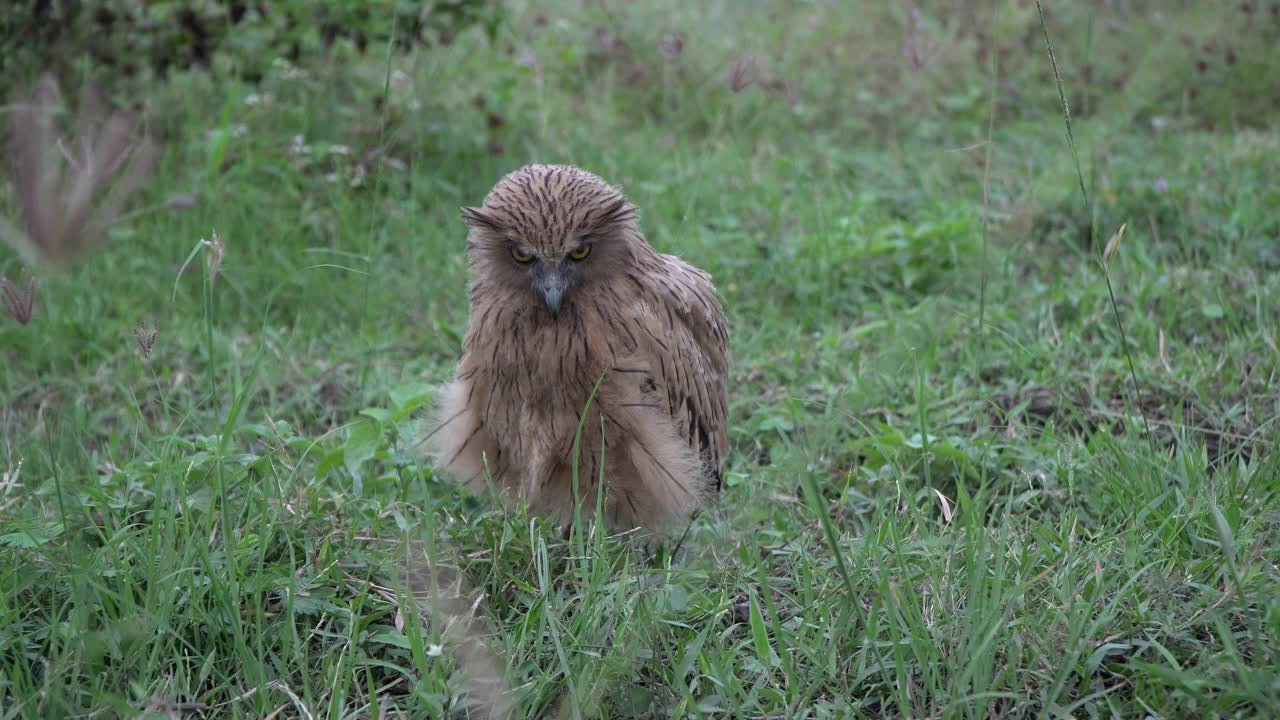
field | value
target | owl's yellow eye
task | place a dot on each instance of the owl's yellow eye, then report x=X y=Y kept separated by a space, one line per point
x=519 y=256
x=581 y=253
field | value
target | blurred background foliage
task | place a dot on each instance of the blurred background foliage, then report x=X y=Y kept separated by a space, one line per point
x=1211 y=61
x=133 y=42
x=435 y=99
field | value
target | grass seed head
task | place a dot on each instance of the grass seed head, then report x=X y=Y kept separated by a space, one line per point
x=19 y=302
x=66 y=211
x=213 y=258
x=1113 y=244
x=146 y=339
x=672 y=45
x=743 y=73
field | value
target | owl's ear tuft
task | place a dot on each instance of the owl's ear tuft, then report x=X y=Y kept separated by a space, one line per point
x=477 y=218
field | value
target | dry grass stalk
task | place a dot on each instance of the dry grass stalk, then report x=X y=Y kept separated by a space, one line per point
x=173 y=710
x=66 y=211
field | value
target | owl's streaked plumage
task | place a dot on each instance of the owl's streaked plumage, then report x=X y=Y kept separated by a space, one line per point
x=565 y=291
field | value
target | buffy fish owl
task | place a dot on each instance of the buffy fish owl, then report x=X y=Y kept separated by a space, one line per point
x=566 y=292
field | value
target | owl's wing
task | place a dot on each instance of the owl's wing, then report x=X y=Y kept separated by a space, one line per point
x=688 y=339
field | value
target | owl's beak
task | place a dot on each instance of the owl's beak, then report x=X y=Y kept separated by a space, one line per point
x=553 y=283
x=553 y=296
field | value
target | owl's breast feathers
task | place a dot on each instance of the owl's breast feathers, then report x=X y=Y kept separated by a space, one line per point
x=656 y=335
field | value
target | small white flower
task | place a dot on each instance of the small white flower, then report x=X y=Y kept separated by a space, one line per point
x=434 y=651
x=527 y=60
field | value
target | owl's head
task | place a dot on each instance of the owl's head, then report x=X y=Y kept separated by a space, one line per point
x=554 y=230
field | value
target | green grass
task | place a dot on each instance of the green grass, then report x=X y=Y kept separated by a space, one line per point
x=942 y=499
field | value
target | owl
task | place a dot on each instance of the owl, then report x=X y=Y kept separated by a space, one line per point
x=589 y=356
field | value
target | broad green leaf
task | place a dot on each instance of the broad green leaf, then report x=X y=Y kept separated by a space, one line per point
x=361 y=445
x=29 y=535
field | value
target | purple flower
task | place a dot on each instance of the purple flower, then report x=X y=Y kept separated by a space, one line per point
x=1162 y=185
x=918 y=17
